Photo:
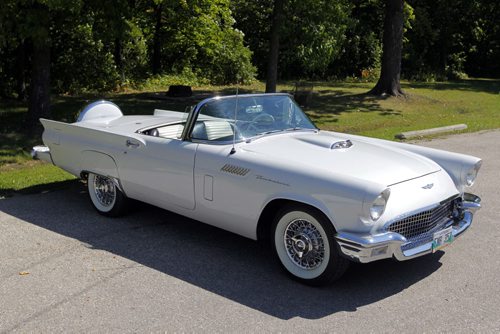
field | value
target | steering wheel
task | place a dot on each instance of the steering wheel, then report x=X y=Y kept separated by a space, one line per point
x=260 y=121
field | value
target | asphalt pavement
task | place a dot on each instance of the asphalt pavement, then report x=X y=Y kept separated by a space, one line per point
x=64 y=268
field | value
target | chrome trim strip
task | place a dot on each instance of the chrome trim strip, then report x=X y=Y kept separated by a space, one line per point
x=236 y=170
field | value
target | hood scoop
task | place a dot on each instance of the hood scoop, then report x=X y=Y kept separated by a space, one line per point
x=327 y=142
x=341 y=144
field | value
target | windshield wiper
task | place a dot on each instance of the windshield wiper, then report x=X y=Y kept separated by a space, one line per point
x=260 y=134
x=270 y=131
x=299 y=128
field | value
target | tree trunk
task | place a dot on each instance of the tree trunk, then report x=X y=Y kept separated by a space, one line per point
x=39 y=99
x=157 y=40
x=272 y=64
x=21 y=61
x=389 y=81
x=118 y=56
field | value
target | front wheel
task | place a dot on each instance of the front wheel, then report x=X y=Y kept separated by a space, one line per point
x=104 y=194
x=305 y=245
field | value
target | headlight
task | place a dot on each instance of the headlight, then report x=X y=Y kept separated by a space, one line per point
x=378 y=206
x=471 y=174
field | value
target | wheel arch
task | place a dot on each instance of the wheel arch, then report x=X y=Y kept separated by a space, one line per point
x=268 y=214
x=98 y=163
x=101 y=164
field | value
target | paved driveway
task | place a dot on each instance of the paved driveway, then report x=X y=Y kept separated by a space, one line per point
x=64 y=268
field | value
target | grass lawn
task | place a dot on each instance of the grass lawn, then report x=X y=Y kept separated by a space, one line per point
x=338 y=106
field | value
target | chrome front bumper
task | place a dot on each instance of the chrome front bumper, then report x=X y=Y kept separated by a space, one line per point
x=367 y=247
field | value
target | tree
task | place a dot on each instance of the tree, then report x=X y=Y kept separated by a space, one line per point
x=389 y=81
x=274 y=45
x=39 y=98
x=361 y=50
x=30 y=23
x=437 y=47
x=311 y=35
x=156 y=57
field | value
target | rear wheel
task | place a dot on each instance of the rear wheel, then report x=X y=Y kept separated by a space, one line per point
x=305 y=245
x=104 y=194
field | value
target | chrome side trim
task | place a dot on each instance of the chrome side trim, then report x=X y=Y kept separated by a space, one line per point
x=237 y=170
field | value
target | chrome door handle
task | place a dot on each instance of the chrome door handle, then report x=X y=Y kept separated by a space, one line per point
x=130 y=143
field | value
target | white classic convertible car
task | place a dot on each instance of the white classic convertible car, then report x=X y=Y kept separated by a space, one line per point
x=257 y=166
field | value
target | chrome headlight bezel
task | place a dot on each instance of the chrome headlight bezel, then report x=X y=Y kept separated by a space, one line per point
x=378 y=205
x=469 y=177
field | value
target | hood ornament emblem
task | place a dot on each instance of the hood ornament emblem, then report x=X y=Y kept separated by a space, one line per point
x=428 y=186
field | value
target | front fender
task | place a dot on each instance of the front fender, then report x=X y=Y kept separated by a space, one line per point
x=341 y=200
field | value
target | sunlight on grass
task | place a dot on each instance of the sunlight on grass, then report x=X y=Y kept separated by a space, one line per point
x=28 y=176
x=336 y=106
x=347 y=109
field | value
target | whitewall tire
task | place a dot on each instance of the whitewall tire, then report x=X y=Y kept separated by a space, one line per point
x=105 y=195
x=304 y=243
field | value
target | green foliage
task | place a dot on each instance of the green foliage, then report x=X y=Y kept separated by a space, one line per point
x=253 y=18
x=105 y=45
x=451 y=38
x=362 y=50
x=311 y=36
x=111 y=45
x=197 y=36
x=96 y=70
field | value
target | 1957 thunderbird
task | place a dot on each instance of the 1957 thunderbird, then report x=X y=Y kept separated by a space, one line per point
x=257 y=166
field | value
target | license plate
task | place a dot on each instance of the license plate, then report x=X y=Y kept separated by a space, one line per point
x=442 y=239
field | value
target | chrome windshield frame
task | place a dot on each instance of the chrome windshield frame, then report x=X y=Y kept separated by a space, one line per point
x=193 y=116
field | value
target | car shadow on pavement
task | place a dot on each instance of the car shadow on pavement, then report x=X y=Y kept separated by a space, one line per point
x=223 y=263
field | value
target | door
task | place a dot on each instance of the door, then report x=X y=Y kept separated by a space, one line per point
x=158 y=171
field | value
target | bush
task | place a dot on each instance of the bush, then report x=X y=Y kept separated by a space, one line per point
x=162 y=82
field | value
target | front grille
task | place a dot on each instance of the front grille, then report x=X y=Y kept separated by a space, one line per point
x=420 y=227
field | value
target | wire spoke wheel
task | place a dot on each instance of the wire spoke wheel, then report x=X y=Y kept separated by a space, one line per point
x=105 y=190
x=105 y=195
x=305 y=245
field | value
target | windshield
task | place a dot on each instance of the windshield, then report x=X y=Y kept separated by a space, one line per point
x=249 y=116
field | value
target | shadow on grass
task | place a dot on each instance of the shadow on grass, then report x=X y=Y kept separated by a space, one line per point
x=490 y=86
x=15 y=146
x=223 y=263
x=325 y=104
x=336 y=103
x=40 y=188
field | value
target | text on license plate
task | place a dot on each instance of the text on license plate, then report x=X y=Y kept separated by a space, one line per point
x=442 y=239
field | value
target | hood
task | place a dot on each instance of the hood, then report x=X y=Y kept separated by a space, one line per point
x=373 y=162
